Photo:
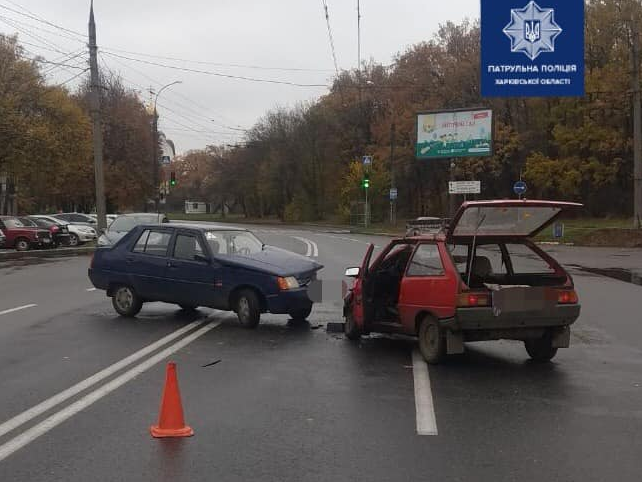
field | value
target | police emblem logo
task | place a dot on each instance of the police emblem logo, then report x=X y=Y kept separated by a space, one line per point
x=532 y=30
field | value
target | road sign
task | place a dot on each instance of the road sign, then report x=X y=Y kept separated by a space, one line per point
x=519 y=188
x=532 y=48
x=442 y=135
x=367 y=160
x=464 y=187
x=393 y=193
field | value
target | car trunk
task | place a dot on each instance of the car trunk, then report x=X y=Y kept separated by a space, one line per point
x=498 y=265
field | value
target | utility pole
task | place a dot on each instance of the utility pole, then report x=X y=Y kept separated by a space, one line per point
x=451 y=197
x=637 y=124
x=393 y=185
x=94 y=106
x=155 y=158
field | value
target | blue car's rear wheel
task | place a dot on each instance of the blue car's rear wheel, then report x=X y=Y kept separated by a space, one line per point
x=126 y=302
x=248 y=308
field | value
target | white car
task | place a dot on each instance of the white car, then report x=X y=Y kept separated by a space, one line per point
x=110 y=218
x=78 y=233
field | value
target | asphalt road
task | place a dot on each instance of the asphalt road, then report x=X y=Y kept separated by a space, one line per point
x=293 y=402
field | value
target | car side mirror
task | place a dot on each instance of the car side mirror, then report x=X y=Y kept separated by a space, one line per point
x=201 y=258
x=352 y=272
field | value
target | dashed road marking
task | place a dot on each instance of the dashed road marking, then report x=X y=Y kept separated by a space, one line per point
x=90 y=289
x=424 y=407
x=17 y=308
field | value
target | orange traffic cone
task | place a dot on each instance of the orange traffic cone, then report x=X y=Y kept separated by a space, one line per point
x=170 y=421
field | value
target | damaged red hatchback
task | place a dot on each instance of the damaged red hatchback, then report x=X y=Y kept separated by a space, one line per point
x=481 y=279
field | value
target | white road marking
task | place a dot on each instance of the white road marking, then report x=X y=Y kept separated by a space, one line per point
x=57 y=418
x=45 y=405
x=18 y=308
x=312 y=250
x=424 y=407
x=90 y=289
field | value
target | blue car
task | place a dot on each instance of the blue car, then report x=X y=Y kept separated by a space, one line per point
x=200 y=265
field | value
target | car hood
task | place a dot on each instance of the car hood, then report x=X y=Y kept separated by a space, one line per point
x=279 y=262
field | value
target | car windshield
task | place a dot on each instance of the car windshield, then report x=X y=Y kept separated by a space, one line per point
x=125 y=224
x=13 y=223
x=239 y=243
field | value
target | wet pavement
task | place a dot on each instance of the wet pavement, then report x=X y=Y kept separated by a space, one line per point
x=292 y=402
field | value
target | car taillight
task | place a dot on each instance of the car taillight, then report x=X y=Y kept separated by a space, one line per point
x=566 y=297
x=54 y=229
x=473 y=299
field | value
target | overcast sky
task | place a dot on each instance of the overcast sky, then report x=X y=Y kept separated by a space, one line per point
x=287 y=34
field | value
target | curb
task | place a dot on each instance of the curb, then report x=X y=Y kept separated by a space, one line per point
x=52 y=253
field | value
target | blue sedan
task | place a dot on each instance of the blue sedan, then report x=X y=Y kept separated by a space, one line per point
x=200 y=265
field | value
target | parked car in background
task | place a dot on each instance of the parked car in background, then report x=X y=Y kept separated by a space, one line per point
x=3 y=239
x=78 y=233
x=77 y=218
x=200 y=265
x=21 y=237
x=59 y=232
x=125 y=223
x=110 y=218
x=483 y=279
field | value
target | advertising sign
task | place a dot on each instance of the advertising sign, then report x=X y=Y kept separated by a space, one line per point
x=454 y=134
x=464 y=187
x=532 y=48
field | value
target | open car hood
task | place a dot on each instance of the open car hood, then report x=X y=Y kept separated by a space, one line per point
x=511 y=218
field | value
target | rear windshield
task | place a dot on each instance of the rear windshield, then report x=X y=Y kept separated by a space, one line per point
x=503 y=221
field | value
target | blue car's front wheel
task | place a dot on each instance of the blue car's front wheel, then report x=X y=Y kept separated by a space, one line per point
x=248 y=309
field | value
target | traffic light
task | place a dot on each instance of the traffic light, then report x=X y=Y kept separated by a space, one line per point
x=172 y=179
x=366 y=181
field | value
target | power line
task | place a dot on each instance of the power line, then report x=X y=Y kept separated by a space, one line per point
x=33 y=16
x=217 y=64
x=168 y=98
x=327 y=21
x=72 y=78
x=216 y=74
x=34 y=36
x=51 y=32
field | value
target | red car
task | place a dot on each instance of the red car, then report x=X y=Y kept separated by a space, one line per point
x=22 y=237
x=481 y=279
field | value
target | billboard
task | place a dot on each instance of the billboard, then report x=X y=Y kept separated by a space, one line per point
x=532 y=48
x=454 y=134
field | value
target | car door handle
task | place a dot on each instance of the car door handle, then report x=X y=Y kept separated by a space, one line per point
x=130 y=259
x=171 y=265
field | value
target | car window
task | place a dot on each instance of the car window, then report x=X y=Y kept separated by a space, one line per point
x=153 y=242
x=66 y=217
x=78 y=218
x=426 y=262
x=187 y=246
x=459 y=253
x=527 y=261
x=494 y=254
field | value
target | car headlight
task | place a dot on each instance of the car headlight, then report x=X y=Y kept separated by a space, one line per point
x=287 y=283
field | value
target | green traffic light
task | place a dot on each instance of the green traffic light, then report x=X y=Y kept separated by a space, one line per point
x=366 y=183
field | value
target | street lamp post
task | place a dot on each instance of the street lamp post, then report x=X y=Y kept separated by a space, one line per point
x=155 y=143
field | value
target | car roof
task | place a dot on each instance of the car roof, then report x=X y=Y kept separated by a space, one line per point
x=137 y=214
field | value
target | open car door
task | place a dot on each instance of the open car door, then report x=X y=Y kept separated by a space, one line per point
x=505 y=218
x=359 y=309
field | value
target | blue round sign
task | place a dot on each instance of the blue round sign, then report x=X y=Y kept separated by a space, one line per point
x=519 y=188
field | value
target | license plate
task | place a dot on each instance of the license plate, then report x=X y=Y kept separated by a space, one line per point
x=521 y=299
